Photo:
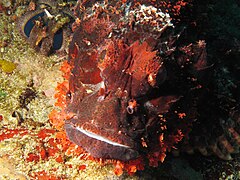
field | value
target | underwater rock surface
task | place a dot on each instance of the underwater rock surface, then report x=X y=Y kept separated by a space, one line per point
x=179 y=113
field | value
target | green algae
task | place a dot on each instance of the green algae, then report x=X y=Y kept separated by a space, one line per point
x=7 y=66
x=3 y=94
x=61 y=21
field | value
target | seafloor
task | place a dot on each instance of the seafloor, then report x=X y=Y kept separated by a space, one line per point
x=25 y=72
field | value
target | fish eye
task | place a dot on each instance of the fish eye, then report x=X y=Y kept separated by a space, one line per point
x=69 y=95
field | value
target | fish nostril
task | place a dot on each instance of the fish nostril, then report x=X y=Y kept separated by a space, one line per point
x=131 y=154
x=132 y=104
x=130 y=110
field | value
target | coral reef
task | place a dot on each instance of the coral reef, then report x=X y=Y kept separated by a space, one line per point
x=181 y=92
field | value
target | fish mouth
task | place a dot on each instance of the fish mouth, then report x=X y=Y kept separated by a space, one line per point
x=99 y=146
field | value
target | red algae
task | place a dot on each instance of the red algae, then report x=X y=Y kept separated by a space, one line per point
x=44 y=133
x=32 y=157
x=119 y=168
x=82 y=167
x=42 y=175
x=56 y=119
x=9 y=133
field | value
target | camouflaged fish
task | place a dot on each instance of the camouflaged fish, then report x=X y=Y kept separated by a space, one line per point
x=135 y=90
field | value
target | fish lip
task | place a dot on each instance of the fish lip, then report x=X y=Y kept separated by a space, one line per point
x=99 y=146
x=100 y=138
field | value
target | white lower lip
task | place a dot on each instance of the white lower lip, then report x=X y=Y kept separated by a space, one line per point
x=100 y=138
